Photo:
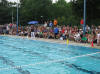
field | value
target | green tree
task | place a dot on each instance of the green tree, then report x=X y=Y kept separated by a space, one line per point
x=4 y=12
x=34 y=9
x=6 y=9
x=93 y=10
x=64 y=13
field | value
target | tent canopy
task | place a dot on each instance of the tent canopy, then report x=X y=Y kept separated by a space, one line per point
x=33 y=22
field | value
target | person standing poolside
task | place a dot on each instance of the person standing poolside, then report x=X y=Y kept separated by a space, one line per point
x=50 y=24
x=7 y=28
x=32 y=32
x=55 y=22
x=56 y=31
x=82 y=23
x=98 y=39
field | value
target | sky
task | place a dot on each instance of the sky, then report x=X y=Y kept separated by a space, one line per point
x=13 y=0
x=18 y=0
x=56 y=0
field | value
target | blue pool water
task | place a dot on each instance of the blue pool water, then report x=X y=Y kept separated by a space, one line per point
x=37 y=57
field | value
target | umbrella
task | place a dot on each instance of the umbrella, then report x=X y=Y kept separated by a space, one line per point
x=33 y=22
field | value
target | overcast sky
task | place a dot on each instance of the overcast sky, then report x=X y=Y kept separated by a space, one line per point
x=18 y=0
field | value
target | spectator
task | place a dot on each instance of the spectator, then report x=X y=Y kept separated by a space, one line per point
x=56 y=31
x=45 y=24
x=98 y=39
x=32 y=32
x=50 y=24
x=77 y=37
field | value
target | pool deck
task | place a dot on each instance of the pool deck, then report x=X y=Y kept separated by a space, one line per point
x=56 y=41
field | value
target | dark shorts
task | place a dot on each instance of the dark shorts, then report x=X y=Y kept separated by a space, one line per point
x=56 y=33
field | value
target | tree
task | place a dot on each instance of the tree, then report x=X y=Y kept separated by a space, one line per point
x=5 y=12
x=93 y=10
x=34 y=9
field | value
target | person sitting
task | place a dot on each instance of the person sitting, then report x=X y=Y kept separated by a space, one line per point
x=50 y=35
x=77 y=37
x=84 y=39
x=98 y=39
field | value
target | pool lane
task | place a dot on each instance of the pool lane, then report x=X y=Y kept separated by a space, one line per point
x=24 y=52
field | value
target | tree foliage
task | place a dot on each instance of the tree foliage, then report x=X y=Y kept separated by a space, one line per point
x=6 y=11
x=44 y=10
x=35 y=10
x=92 y=10
x=3 y=12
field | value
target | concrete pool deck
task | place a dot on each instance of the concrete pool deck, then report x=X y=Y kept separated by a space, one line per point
x=56 y=41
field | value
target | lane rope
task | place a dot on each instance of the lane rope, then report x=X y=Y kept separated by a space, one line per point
x=53 y=61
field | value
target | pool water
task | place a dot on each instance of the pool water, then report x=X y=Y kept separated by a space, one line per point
x=37 y=57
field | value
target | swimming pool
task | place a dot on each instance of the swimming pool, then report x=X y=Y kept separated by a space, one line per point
x=23 y=56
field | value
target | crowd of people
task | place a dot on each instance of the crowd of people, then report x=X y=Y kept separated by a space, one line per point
x=51 y=31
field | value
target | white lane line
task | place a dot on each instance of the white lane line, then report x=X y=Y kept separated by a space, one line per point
x=46 y=62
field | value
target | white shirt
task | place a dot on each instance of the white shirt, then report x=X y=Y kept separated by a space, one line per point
x=77 y=35
x=45 y=25
x=98 y=36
